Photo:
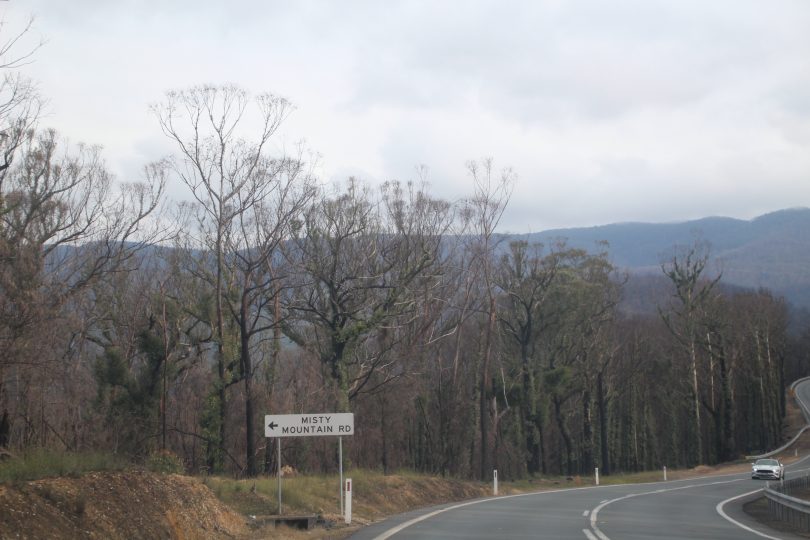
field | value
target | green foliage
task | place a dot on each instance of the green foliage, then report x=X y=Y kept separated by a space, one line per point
x=165 y=462
x=110 y=369
x=556 y=379
x=131 y=394
x=210 y=422
x=42 y=464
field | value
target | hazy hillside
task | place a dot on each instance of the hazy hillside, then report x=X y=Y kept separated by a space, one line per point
x=771 y=251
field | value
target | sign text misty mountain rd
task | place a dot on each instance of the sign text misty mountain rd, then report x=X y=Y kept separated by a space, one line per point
x=308 y=425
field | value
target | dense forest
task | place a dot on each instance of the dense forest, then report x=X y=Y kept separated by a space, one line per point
x=134 y=324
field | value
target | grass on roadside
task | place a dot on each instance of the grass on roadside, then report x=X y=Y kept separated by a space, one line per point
x=377 y=495
x=37 y=464
x=308 y=494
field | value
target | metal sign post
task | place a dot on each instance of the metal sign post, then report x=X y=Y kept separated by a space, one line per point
x=309 y=425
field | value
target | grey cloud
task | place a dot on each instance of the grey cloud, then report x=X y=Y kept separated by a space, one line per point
x=584 y=58
x=609 y=111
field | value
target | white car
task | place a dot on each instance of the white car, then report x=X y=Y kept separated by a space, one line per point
x=770 y=469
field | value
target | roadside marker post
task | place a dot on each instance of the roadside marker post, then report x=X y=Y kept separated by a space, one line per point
x=665 y=473
x=348 y=515
x=495 y=482
x=309 y=425
x=596 y=475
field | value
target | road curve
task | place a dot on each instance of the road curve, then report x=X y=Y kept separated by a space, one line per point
x=708 y=507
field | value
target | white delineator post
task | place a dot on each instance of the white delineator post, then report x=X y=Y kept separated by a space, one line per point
x=596 y=475
x=340 y=467
x=495 y=482
x=348 y=516
x=665 y=473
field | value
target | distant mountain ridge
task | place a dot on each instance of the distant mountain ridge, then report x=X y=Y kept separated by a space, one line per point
x=771 y=251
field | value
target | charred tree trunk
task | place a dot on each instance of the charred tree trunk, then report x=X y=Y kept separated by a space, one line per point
x=247 y=374
x=587 y=434
x=566 y=437
x=604 y=446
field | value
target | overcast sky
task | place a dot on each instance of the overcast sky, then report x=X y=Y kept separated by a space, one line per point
x=608 y=111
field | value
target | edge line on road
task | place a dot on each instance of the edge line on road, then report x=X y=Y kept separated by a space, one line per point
x=733 y=521
x=588 y=534
x=404 y=525
x=595 y=512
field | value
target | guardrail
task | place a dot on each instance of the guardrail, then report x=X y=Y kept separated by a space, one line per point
x=781 y=504
x=786 y=508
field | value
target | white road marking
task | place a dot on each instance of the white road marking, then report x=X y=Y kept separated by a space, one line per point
x=599 y=534
x=402 y=526
x=595 y=511
x=585 y=513
x=589 y=535
x=720 y=511
x=394 y=530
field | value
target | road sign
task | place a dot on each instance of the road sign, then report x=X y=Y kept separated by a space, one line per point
x=308 y=425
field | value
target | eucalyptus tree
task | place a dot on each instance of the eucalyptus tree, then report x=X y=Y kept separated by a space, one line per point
x=716 y=335
x=365 y=264
x=594 y=297
x=525 y=276
x=151 y=351
x=443 y=434
x=483 y=212
x=20 y=102
x=246 y=204
x=756 y=349
x=64 y=226
x=683 y=317
x=577 y=312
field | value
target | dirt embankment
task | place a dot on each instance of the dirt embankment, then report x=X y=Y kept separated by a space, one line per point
x=112 y=505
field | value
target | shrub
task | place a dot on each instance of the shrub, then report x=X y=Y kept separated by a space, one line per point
x=165 y=462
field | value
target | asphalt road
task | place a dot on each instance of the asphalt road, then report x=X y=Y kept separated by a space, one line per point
x=697 y=508
x=803 y=395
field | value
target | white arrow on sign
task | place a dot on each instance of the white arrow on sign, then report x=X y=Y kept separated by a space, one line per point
x=308 y=425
